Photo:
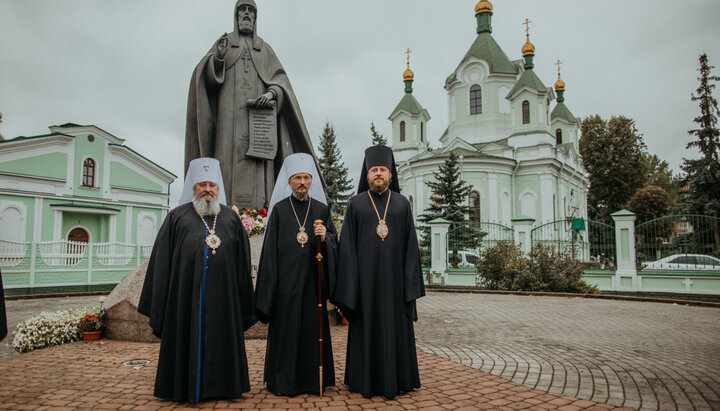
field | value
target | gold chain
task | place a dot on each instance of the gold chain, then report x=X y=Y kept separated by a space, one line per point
x=386 y=206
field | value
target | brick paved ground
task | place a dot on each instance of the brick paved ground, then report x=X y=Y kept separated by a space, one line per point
x=633 y=354
x=90 y=375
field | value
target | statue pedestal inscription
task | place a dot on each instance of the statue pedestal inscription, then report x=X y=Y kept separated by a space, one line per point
x=263 y=132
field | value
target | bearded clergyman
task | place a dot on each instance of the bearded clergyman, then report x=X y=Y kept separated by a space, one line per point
x=379 y=278
x=240 y=74
x=198 y=293
x=287 y=285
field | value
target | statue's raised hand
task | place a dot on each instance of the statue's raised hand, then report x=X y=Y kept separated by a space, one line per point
x=221 y=48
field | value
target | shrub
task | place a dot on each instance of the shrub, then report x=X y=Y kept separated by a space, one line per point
x=504 y=267
x=50 y=328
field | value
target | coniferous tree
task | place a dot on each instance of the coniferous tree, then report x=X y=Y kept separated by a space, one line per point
x=703 y=174
x=377 y=138
x=449 y=201
x=338 y=186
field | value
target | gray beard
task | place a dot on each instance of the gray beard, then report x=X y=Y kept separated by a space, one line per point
x=204 y=208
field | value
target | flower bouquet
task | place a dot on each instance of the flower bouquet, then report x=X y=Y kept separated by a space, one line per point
x=253 y=220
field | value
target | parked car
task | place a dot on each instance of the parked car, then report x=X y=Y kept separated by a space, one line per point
x=467 y=258
x=696 y=262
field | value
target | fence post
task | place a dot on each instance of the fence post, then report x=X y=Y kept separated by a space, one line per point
x=438 y=246
x=522 y=226
x=626 y=272
x=33 y=256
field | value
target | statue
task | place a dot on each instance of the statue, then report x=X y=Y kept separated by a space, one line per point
x=239 y=77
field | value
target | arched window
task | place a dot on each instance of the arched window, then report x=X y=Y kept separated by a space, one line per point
x=474 y=206
x=558 y=136
x=475 y=99
x=402 y=131
x=88 y=176
x=421 y=131
x=526 y=112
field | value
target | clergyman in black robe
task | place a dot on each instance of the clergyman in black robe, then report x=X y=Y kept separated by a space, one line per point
x=286 y=289
x=198 y=293
x=3 y=318
x=378 y=281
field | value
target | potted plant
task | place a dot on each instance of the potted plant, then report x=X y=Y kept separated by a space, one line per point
x=91 y=326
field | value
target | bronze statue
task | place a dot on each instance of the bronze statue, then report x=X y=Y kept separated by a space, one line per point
x=239 y=76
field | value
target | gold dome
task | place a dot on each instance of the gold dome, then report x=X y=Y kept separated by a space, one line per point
x=559 y=84
x=483 y=6
x=528 y=48
x=408 y=74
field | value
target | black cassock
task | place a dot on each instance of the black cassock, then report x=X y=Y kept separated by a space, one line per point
x=286 y=297
x=199 y=305
x=3 y=318
x=378 y=283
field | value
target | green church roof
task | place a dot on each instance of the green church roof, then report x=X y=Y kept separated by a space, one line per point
x=485 y=48
x=561 y=111
x=410 y=104
x=528 y=79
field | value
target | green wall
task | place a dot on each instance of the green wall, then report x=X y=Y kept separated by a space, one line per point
x=123 y=176
x=53 y=165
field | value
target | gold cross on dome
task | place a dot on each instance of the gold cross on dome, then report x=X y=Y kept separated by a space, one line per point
x=558 y=63
x=527 y=26
x=408 y=56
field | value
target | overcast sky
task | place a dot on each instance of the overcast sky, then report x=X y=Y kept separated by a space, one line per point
x=125 y=66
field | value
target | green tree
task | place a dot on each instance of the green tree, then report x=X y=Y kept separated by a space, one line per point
x=703 y=174
x=377 y=138
x=660 y=175
x=613 y=154
x=338 y=186
x=650 y=202
x=449 y=201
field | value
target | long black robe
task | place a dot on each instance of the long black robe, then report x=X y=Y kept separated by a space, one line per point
x=3 y=318
x=199 y=305
x=378 y=283
x=286 y=297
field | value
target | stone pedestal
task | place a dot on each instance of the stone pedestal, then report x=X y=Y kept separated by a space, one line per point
x=123 y=320
x=125 y=323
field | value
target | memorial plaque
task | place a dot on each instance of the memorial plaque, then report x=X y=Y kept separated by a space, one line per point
x=263 y=132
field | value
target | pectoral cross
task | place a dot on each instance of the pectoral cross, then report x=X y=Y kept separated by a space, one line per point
x=246 y=59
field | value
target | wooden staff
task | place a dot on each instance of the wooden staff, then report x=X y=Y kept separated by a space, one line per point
x=320 y=309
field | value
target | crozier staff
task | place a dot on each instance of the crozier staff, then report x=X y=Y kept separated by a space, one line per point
x=198 y=293
x=287 y=287
x=379 y=279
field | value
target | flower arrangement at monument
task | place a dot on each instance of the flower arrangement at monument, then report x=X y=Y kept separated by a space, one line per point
x=253 y=220
x=51 y=328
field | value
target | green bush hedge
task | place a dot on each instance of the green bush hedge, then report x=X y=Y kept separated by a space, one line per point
x=505 y=267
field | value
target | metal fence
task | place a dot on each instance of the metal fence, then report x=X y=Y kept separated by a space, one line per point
x=466 y=242
x=588 y=240
x=679 y=242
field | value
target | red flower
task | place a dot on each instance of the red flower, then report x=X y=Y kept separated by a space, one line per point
x=262 y=212
x=247 y=210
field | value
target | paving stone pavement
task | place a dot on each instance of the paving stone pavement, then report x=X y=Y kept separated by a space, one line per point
x=639 y=355
x=90 y=375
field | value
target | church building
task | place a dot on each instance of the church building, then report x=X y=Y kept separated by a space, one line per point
x=518 y=152
x=74 y=193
